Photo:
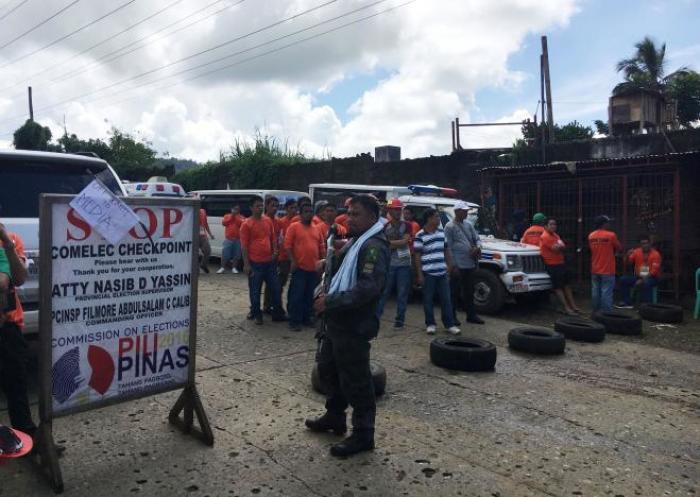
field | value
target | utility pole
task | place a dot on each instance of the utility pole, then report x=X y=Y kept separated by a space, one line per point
x=548 y=89
x=543 y=120
x=31 y=104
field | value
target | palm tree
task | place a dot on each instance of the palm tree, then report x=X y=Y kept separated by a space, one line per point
x=646 y=69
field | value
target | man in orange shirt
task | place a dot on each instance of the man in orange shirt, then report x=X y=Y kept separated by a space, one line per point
x=272 y=205
x=604 y=245
x=342 y=220
x=231 y=252
x=647 y=269
x=259 y=247
x=204 y=235
x=533 y=233
x=552 y=250
x=326 y=212
x=283 y=224
x=13 y=374
x=304 y=245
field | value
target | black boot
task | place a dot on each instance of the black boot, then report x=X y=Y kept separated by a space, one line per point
x=328 y=422
x=359 y=441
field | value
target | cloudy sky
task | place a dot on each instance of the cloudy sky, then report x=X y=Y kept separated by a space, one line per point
x=329 y=77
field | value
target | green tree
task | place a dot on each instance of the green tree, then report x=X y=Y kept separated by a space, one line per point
x=32 y=136
x=601 y=127
x=532 y=135
x=646 y=69
x=245 y=166
x=686 y=90
x=132 y=159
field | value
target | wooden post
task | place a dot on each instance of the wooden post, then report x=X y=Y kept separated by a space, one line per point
x=453 y=136
x=544 y=119
x=31 y=104
x=548 y=89
x=459 y=145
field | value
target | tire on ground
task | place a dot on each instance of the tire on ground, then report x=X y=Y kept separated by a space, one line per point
x=581 y=330
x=378 y=377
x=536 y=340
x=463 y=354
x=618 y=322
x=489 y=292
x=662 y=313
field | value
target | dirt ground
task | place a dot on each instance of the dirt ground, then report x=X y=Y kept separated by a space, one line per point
x=619 y=418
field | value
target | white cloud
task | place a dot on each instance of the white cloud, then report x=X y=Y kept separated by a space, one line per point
x=437 y=55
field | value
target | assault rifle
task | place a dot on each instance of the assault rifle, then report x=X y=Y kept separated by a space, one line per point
x=325 y=285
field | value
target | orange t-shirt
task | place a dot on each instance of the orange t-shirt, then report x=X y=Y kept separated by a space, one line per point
x=324 y=228
x=203 y=223
x=17 y=316
x=550 y=256
x=342 y=220
x=603 y=245
x=652 y=260
x=283 y=223
x=306 y=244
x=232 y=224
x=258 y=239
x=532 y=235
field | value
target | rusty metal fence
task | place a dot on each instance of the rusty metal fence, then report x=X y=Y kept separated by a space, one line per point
x=639 y=202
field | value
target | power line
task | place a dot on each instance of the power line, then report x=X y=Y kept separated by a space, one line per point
x=74 y=56
x=58 y=40
x=243 y=61
x=202 y=52
x=102 y=58
x=269 y=42
x=13 y=9
x=269 y=52
x=39 y=25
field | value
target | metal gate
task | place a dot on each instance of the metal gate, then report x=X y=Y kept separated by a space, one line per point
x=639 y=203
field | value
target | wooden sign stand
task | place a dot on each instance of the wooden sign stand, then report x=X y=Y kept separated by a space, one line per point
x=189 y=402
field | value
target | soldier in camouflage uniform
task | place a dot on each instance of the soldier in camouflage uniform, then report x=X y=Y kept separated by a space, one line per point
x=351 y=322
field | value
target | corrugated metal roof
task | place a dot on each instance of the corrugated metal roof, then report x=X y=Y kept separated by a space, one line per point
x=563 y=165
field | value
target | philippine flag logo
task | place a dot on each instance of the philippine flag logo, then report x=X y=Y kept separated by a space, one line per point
x=67 y=376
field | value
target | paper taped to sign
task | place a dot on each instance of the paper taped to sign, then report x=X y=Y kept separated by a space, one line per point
x=120 y=313
x=104 y=211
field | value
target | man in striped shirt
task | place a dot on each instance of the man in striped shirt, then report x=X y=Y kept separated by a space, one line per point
x=432 y=266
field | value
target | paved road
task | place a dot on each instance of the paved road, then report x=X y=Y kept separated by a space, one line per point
x=619 y=418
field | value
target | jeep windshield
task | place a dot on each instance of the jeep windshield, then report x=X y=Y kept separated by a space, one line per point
x=22 y=181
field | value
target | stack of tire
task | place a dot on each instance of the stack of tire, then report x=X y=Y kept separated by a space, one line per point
x=661 y=313
x=619 y=322
x=536 y=340
x=580 y=329
x=463 y=354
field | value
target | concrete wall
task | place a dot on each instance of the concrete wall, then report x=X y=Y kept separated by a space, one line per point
x=458 y=170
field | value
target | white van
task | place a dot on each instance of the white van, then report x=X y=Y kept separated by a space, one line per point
x=506 y=269
x=24 y=175
x=218 y=203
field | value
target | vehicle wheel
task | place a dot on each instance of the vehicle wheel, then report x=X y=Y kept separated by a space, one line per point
x=618 y=322
x=662 y=313
x=463 y=354
x=579 y=329
x=536 y=340
x=489 y=292
x=378 y=377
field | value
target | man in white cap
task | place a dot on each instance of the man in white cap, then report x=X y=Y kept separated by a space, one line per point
x=465 y=247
